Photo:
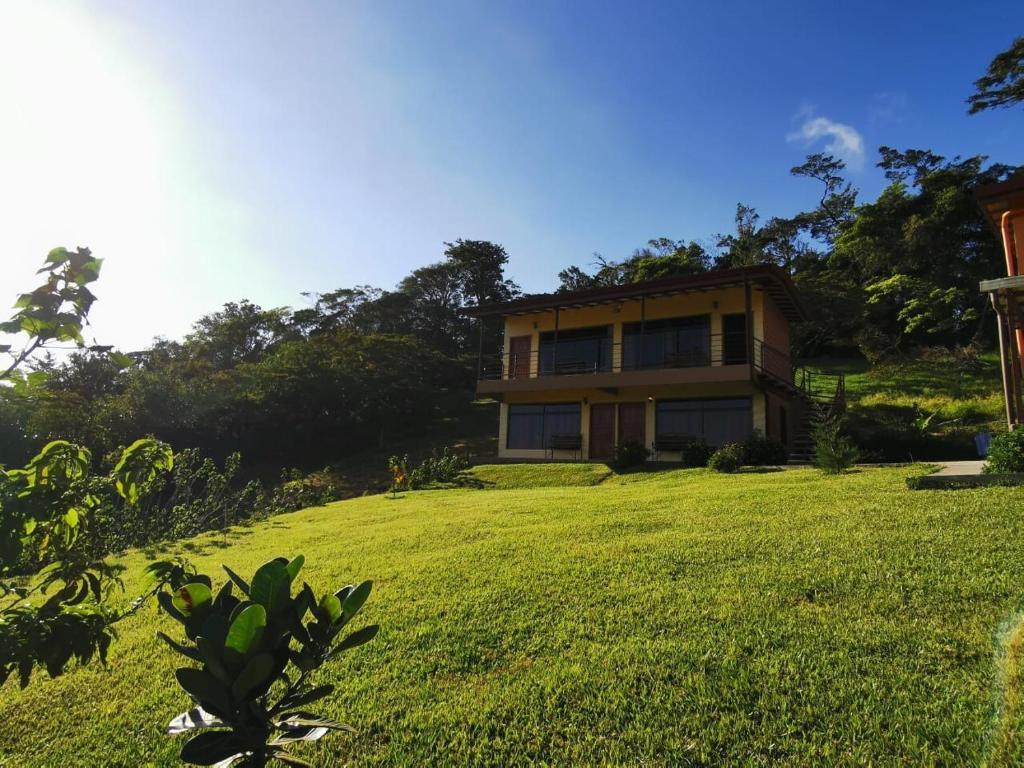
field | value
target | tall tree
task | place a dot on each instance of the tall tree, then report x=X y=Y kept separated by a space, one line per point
x=1002 y=85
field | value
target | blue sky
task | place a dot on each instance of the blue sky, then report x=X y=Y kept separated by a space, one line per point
x=215 y=151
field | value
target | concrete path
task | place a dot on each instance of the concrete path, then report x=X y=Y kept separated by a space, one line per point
x=959 y=468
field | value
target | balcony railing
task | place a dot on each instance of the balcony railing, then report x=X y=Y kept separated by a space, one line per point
x=638 y=352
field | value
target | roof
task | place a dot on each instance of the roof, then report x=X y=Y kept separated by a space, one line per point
x=999 y=197
x=774 y=281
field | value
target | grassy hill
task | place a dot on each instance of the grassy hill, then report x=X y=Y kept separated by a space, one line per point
x=677 y=617
x=888 y=401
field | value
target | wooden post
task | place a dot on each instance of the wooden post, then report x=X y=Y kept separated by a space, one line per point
x=750 y=326
x=1004 y=361
x=480 y=354
x=554 y=348
x=1013 y=322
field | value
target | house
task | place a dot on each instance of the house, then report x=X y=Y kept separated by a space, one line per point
x=1003 y=205
x=663 y=363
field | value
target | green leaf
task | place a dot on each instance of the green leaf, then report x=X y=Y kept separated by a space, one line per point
x=294 y=566
x=355 y=599
x=71 y=517
x=330 y=606
x=193 y=719
x=364 y=635
x=307 y=697
x=184 y=650
x=191 y=597
x=241 y=583
x=57 y=255
x=293 y=720
x=271 y=586
x=205 y=689
x=256 y=674
x=246 y=629
x=211 y=747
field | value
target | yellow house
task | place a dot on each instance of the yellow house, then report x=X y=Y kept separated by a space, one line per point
x=662 y=363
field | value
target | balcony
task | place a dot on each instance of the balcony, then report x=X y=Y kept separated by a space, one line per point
x=639 y=360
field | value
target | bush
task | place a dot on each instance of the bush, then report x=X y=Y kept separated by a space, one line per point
x=834 y=453
x=761 y=451
x=728 y=458
x=255 y=656
x=630 y=453
x=696 y=454
x=1006 y=452
x=443 y=468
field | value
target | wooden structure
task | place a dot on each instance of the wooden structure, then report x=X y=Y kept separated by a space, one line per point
x=1003 y=204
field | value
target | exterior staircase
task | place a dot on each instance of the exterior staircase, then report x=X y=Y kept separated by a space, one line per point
x=820 y=396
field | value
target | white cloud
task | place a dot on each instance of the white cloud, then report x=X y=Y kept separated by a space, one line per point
x=844 y=141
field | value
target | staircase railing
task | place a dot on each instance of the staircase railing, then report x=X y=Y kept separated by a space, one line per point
x=825 y=390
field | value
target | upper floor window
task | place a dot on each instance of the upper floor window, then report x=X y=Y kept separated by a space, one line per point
x=579 y=350
x=677 y=342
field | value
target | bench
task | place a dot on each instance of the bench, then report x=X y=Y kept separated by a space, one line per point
x=672 y=443
x=566 y=442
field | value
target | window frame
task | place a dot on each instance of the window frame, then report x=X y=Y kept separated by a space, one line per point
x=544 y=433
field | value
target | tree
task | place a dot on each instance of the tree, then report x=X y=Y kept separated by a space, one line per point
x=919 y=251
x=240 y=332
x=1002 y=85
x=57 y=310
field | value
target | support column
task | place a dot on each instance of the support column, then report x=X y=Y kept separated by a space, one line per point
x=748 y=304
x=554 y=349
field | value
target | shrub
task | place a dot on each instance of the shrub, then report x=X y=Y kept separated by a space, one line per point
x=631 y=453
x=761 y=451
x=255 y=656
x=696 y=454
x=728 y=458
x=834 y=453
x=443 y=468
x=398 y=466
x=1006 y=452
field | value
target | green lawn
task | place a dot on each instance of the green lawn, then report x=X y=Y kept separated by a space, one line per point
x=677 y=617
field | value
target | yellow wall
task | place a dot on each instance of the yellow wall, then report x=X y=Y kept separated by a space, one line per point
x=625 y=395
x=725 y=301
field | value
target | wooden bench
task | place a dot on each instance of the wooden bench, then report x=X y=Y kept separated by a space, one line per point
x=566 y=442
x=672 y=443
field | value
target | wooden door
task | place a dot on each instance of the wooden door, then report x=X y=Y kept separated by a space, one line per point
x=632 y=422
x=602 y=431
x=519 y=357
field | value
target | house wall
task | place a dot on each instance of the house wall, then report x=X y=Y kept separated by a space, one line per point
x=714 y=303
x=587 y=397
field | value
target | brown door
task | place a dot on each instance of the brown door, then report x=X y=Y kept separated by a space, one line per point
x=632 y=418
x=602 y=431
x=519 y=357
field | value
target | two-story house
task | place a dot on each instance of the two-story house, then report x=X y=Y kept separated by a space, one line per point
x=697 y=357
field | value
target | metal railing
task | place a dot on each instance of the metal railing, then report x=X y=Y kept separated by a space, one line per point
x=637 y=352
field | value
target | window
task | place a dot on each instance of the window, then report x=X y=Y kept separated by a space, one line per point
x=531 y=426
x=717 y=421
x=580 y=350
x=679 y=342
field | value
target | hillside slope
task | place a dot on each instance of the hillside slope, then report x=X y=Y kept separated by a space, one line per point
x=677 y=617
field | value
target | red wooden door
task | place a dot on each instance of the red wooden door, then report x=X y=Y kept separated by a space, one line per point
x=632 y=422
x=602 y=431
x=519 y=357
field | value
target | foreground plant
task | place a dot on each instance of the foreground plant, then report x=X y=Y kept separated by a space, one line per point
x=834 y=453
x=253 y=683
x=44 y=509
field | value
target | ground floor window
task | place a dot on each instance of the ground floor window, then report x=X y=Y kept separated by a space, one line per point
x=531 y=426
x=717 y=421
